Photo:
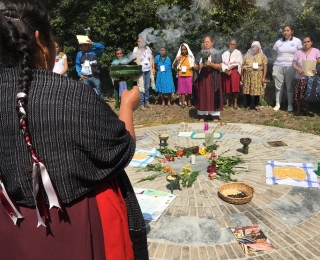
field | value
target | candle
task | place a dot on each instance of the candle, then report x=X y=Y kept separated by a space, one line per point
x=193 y=159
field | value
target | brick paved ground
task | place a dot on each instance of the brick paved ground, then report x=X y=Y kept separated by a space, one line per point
x=289 y=216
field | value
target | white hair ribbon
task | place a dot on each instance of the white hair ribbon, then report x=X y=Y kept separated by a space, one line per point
x=21 y=95
x=48 y=187
x=12 y=211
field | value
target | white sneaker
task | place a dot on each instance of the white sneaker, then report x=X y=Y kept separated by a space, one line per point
x=290 y=108
x=276 y=108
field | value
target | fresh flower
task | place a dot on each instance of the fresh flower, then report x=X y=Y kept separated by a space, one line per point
x=221 y=167
x=203 y=151
x=180 y=153
x=211 y=168
x=171 y=178
x=195 y=150
x=212 y=175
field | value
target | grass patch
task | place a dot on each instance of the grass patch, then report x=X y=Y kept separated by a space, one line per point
x=275 y=123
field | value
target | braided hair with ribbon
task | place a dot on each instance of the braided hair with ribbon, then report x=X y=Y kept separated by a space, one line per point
x=20 y=24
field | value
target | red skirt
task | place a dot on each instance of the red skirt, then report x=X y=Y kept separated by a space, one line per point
x=94 y=227
x=231 y=84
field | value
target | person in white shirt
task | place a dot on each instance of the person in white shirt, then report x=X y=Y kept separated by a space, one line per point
x=231 y=66
x=145 y=59
x=61 y=64
x=283 y=52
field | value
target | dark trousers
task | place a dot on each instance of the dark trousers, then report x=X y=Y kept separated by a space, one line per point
x=256 y=100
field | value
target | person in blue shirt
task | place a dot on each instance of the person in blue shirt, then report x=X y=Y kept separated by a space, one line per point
x=164 y=80
x=86 y=62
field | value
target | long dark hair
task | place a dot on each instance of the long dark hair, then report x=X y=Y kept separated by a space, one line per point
x=291 y=28
x=19 y=19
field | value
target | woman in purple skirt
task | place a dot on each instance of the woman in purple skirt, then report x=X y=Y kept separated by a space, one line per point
x=184 y=63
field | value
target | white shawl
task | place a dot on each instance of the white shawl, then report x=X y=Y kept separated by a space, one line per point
x=190 y=57
x=140 y=81
x=232 y=59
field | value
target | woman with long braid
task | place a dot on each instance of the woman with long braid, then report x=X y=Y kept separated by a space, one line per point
x=63 y=154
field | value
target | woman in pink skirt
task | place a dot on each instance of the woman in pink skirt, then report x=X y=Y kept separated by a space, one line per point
x=184 y=63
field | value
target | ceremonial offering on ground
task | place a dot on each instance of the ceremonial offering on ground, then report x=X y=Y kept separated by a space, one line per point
x=277 y=143
x=245 y=142
x=289 y=172
x=163 y=140
x=236 y=192
x=295 y=174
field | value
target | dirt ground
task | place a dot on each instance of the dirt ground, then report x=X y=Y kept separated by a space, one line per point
x=158 y=115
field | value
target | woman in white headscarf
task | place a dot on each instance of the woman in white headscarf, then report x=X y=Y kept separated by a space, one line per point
x=184 y=63
x=253 y=76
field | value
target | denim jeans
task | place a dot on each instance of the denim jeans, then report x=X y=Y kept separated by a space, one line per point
x=94 y=82
x=144 y=97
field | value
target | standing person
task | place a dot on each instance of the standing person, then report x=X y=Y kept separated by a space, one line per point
x=62 y=147
x=184 y=63
x=164 y=80
x=253 y=76
x=119 y=86
x=87 y=65
x=300 y=83
x=231 y=66
x=144 y=58
x=209 y=80
x=283 y=52
x=61 y=62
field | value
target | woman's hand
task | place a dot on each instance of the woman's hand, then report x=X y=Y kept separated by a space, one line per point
x=301 y=71
x=131 y=98
x=314 y=71
x=263 y=81
x=209 y=63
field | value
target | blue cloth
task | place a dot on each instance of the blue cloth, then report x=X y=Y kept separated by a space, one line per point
x=122 y=87
x=97 y=51
x=164 y=80
x=94 y=82
x=144 y=97
x=311 y=180
x=117 y=61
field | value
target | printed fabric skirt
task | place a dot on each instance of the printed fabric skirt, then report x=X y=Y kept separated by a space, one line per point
x=299 y=88
x=75 y=233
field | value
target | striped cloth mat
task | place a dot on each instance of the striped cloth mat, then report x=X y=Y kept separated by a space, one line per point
x=310 y=182
x=142 y=157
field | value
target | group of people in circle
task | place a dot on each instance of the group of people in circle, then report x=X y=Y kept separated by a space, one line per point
x=209 y=75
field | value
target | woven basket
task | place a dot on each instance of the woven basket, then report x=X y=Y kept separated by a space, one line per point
x=229 y=188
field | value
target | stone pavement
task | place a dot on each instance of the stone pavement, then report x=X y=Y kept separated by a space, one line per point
x=196 y=224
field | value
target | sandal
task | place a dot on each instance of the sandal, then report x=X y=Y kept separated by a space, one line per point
x=189 y=105
x=297 y=113
x=308 y=113
x=257 y=108
x=169 y=105
x=183 y=106
x=248 y=108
